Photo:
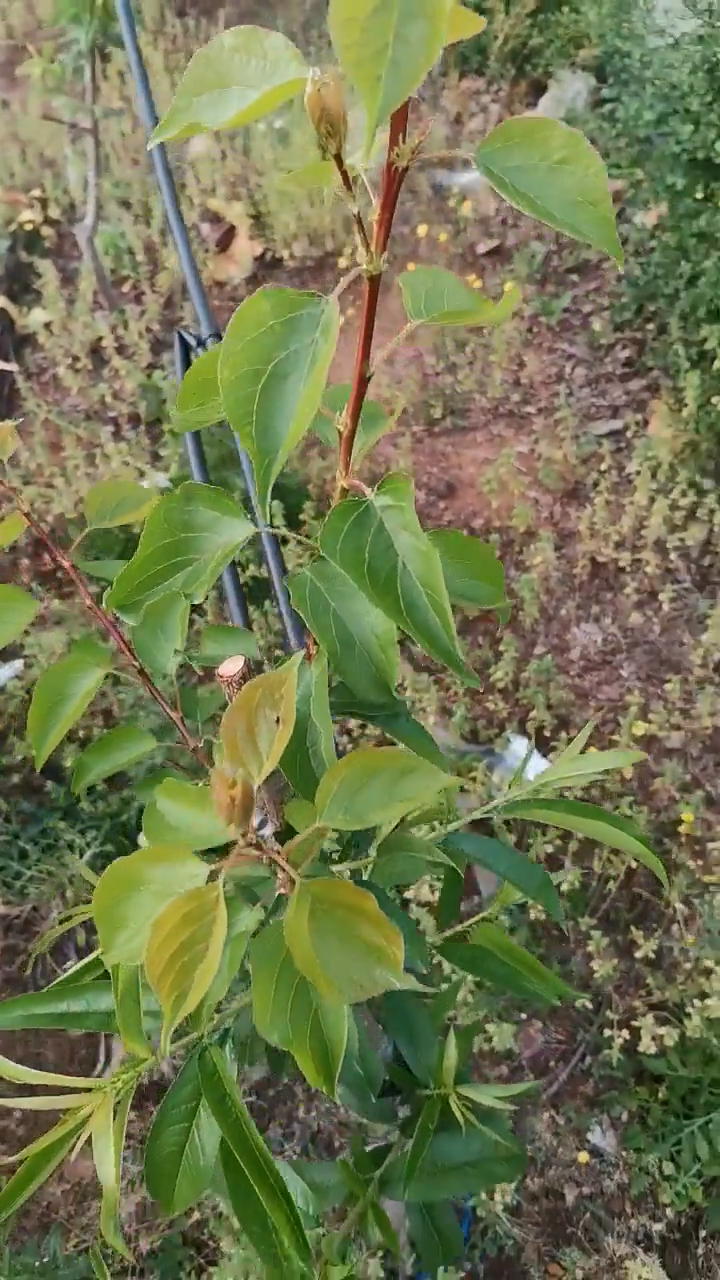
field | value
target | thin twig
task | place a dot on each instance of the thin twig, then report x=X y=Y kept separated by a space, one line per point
x=394 y=343
x=108 y=625
x=86 y=229
x=353 y=203
x=557 y=1081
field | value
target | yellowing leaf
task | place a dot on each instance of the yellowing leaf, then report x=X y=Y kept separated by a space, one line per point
x=17 y=610
x=463 y=24
x=184 y=951
x=132 y=892
x=376 y=785
x=9 y=438
x=241 y=74
x=342 y=942
x=11 y=528
x=258 y=724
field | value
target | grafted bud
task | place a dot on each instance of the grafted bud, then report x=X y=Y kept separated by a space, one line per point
x=233 y=798
x=325 y=105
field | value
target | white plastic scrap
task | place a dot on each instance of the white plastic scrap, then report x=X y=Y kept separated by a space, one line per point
x=10 y=671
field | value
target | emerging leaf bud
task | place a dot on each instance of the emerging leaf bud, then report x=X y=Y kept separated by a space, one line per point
x=325 y=105
x=233 y=798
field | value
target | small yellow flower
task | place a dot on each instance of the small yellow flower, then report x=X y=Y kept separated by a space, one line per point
x=583 y=1157
x=477 y=284
x=688 y=817
x=466 y=208
x=442 y=237
x=422 y=230
x=690 y=940
x=508 y=285
x=471 y=277
x=639 y=728
x=411 y=266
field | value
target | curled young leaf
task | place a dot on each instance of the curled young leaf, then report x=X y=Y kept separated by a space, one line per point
x=233 y=798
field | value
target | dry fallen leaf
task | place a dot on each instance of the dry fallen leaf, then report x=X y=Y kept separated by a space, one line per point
x=235 y=248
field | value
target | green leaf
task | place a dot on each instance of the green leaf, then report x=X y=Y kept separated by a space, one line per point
x=274 y=364
x=198 y=402
x=218 y=642
x=393 y=718
x=188 y=539
x=342 y=942
x=127 y=990
x=15 y=1073
x=417 y=955
x=474 y=576
x=291 y=1014
x=240 y=75
x=9 y=439
x=50 y=1102
x=304 y=847
x=432 y=295
x=403 y=858
x=183 y=1143
x=462 y=24
x=373 y=424
x=184 y=952
x=86 y=970
x=61 y=695
x=103 y=570
x=435 y=1232
x=458 y=1164
x=311 y=749
x=114 y=502
x=182 y=813
x=17 y=610
x=259 y=1196
x=494 y=1096
x=98 y=1263
x=386 y=48
x=37 y=1168
x=12 y=528
x=376 y=785
x=551 y=172
x=361 y=643
x=591 y=821
x=494 y=957
x=258 y=724
x=242 y=921
x=84 y=1006
x=107 y=1154
x=362 y=1074
x=405 y=1019
x=159 y=637
x=377 y=541
x=422 y=1137
x=578 y=770
x=116 y=750
x=132 y=892
x=507 y=864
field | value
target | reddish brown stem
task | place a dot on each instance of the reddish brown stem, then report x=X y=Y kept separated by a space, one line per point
x=108 y=625
x=393 y=177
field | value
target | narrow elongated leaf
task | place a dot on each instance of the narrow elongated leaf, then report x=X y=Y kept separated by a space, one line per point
x=378 y=542
x=83 y=1006
x=386 y=48
x=495 y=1096
x=184 y=951
x=15 y=1073
x=51 y=1102
x=376 y=785
x=188 y=539
x=551 y=172
x=374 y=421
x=463 y=24
x=159 y=637
x=198 y=402
x=392 y=717
x=591 y=821
x=494 y=957
x=114 y=502
x=61 y=695
x=107 y=1154
x=117 y=749
x=405 y=1019
x=258 y=724
x=86 y=970
x=458 y=1164
x=17 y=610
x=127 y=989
x=98 y=1263
x=311 y=749
x=183 y=1143
x=402 y=858
x=183 y=813
x=361 y=643
x=258 y=1194
x=37 y=1168
x=12 y=528
x=432 y=295
x=132 y=892
x=507 y=864
x=290 y=1013
x=220 y=642
x=434 y=1229
x=274 y=363
x=342 y=942
x=240 y=75
x=579 y=770
x=422 y=1137
x=474 y=576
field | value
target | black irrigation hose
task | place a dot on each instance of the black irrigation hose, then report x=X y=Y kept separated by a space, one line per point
x=208 y=333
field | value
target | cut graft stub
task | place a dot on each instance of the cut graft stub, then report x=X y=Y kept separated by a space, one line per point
x=232 y=674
